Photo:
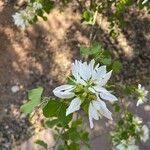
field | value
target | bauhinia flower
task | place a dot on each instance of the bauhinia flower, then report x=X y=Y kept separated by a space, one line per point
x=142 y=93
x=21 y=19
x=26 y=16
x=88 y=88
x=37 y=5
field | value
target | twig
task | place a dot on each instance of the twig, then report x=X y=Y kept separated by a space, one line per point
x=53 y=147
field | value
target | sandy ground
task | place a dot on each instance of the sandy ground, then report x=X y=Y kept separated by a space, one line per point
x=42 y=55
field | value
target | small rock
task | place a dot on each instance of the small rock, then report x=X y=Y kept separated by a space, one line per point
x=15 y=88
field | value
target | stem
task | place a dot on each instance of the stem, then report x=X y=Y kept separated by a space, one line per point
x=91 y=4
x=53 y=147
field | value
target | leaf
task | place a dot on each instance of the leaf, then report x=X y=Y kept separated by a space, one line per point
x=62 y=147
x=106 y=61
x=47 y=5
x=57 y=109
x=84 y=136
x=87 y=16
x=117 y=66
x=73 y=134
x=51 y=109
x=34 y=96
x=63 y=119
x=42 y=143
x=116 y=107
x=74 y=146
x=76 y=123
x=51 y=123
x=93 y=49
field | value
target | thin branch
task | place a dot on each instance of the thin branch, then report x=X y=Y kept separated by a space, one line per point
x=53 y=147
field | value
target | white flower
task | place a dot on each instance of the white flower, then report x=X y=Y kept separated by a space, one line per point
x=26 y=16
x=145 y=1
x=20 y=19
x=142 y=95
x=145 y=135
x=37 y=6
x=88 y=79
x=97 y=109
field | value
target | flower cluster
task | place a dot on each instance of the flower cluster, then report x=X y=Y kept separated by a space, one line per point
x=26 y=16
x=88 y=88
x=142 y=93
x=126 y=145
x=125 y=139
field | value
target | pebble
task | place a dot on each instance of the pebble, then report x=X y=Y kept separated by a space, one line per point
x=15 y=88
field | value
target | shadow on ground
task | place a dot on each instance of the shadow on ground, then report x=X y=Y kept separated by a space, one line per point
x=42 y=55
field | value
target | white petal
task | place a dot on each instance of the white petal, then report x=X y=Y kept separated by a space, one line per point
x=75 y=69
x=91 y=66
x=92 y=112
x=85 y=71
x=92 y=90
x=102 y=81
x=140 y=101
x=99 y=88
x=97 y=106
x=64 y=91
x=104 y=94
x=78 y=72
x=108 y=96
x=103 y=109
x=139 y=86
x=99 y=72
x=81 y=81
x=91 y=122
x=74 y=106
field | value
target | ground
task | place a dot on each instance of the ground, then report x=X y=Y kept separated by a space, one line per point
x=42 y=55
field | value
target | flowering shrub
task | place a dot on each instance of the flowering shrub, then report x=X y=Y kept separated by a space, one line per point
x=87 y=90
x=90 y=9
x=89 y=87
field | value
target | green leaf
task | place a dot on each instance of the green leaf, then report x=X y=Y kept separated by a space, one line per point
x=87 y=16
x=62 y=147
x=116 y=107
x=47 y=5
x=114 y=33
x=84 y=136
x=34 y=96
x=63 y=119
x=51 y=123
x=76 y=123
x=93 y=49
x=42 y=143
x=73 y=134
x=117 y=66
x=57 y=109
x=85 y=107
x=51 y=109
x=106 y=61
x=74 y=146
x=129 y=89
